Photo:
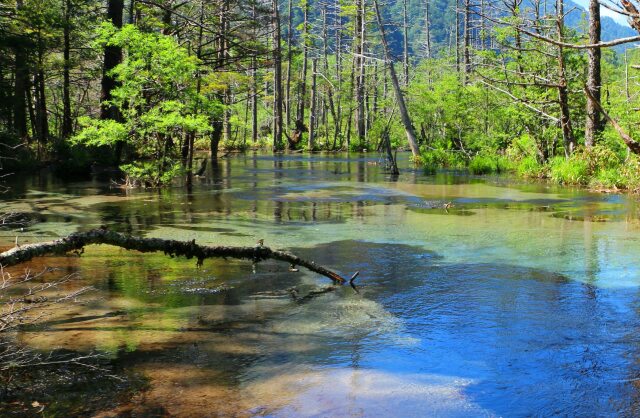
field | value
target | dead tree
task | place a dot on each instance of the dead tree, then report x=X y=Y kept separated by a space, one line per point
x=404 y=113
x=172 y=248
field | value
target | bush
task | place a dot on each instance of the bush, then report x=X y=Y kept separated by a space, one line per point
x=487 y=164
x=530 y=167
x=574 y=170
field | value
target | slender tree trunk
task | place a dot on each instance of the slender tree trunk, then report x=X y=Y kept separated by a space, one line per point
x=312 y=112
x=456 y=31
x=41 y=98
x=305 y=59
x=467 y=40
x=20 y=87
x=360 y=24
x=289 y=62
x=404 y=114
x=277 y=78
x=226 y=95
x=405 y=43
x=338 y=121
x=593 y=124
x=254 y=88
x=325 y=52
x=427 y=29
x=563 y=95
x=67 y=126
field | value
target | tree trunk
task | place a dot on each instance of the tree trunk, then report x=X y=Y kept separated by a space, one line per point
x=359 y=39
x=427 y=29
x=593 y=125
x=305 y=58
x=289 y=60
x=404 y=114
x=563 y=95
x=112 y=57
x=467 y=40
x=312 y=112
x=405 y=43
x=67 y=126
x=277 y=78
x=20 y=87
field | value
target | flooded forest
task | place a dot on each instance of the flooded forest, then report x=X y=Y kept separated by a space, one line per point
x=319 y=208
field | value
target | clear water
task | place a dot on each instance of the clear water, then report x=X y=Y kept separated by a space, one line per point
x=519 y=299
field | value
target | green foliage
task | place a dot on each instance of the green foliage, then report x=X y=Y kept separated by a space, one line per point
x=488 y=164
x=158 y=100
x=572 y=171
x=530 y=167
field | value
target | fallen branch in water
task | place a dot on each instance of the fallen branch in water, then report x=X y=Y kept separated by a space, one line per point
x=78 y=240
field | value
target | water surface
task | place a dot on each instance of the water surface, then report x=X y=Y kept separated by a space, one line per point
x=478 y=297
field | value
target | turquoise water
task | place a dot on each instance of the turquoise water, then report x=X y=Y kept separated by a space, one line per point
x=478 y=296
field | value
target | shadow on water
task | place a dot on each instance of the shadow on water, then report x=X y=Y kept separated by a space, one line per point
x=468 y=338
x=480 y=326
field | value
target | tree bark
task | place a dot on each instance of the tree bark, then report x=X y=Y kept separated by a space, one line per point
x=563 y=95
x=277 y=78
x=67 y=124
x=172 y=248
x=20 y=85
x=593 y=125
x=112 y=57
x=358 y=72
x=405 y=43
x=312 y=112
x=404 y=114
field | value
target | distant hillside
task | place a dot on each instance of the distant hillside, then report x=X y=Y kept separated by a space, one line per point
x=442 y=20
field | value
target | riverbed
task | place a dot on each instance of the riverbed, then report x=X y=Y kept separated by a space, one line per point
x=478 y=296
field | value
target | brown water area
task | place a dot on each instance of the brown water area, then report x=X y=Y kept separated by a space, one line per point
x=477 y=296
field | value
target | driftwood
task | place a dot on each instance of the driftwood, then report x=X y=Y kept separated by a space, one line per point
x=78 y=240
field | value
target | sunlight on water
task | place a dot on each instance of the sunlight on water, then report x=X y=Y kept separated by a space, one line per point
x=478 y=297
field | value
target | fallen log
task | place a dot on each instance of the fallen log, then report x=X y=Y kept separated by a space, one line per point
x=77 y=241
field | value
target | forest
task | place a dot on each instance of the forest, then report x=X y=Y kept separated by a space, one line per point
x=528 y=86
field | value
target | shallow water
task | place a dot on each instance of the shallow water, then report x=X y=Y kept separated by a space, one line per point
x=518 y=299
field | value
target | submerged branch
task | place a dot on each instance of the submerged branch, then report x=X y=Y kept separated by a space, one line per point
x=79 y=240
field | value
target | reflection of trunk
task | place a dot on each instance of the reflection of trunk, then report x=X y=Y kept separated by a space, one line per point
x=593 y=124
x=404 y=114
x=312 y=113
x=277 y=78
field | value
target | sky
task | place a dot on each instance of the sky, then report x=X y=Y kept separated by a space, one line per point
x=621 y=19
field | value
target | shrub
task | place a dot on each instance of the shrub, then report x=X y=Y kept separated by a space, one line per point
x=574 y=170
x=487 y=164
x=530 y=167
